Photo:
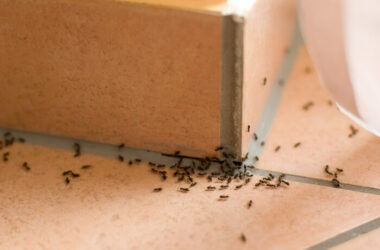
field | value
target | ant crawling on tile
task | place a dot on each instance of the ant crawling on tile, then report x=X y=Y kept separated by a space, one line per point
x=268 y=181
x=336 y=183
x=307 y=105
x=77 y=149
x=243 y=238
x=353 y=130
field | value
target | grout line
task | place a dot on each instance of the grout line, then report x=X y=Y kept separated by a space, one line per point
x=320 y=182
x=347 y=235
x=109 y=150
x=96 y=148
x=268 y=116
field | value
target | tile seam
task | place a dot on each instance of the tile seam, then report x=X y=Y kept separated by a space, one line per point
x=347 y=235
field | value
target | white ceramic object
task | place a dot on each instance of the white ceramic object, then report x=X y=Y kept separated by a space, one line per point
x=343 y=38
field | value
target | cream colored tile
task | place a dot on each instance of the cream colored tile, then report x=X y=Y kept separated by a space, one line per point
x=112 y=206
x=323 y=132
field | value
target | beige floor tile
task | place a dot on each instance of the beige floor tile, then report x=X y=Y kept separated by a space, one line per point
x=112 y=206
x=323 y=132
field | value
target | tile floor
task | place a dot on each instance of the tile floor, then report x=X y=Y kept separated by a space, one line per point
x=112 y=206
x=323 y=132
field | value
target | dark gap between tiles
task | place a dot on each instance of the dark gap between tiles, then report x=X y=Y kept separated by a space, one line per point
x=112 y=151
x=269 y=113
x=320 y=182
x=347 y=235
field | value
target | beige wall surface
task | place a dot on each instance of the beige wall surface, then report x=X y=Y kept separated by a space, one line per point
x=112 y=72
